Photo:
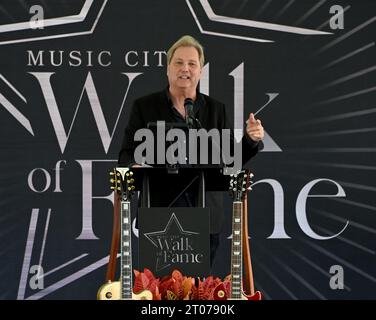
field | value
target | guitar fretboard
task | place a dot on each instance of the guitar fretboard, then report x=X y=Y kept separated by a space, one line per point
x=236 y=252
x=126 y=251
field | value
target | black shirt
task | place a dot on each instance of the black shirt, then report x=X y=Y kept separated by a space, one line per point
x=211 y=114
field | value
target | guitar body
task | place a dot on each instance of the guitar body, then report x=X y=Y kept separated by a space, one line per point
x=257 y=296
x=112 y=291
x=109 y=291
x=220 y=294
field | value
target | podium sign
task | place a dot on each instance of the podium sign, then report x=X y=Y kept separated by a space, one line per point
x=174 y=238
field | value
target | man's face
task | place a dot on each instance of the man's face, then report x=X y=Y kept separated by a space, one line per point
x=184 y=70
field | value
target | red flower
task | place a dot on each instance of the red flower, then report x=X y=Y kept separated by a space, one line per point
x=176 y=286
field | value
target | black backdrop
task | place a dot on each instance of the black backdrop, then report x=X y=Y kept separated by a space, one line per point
x=319 y=96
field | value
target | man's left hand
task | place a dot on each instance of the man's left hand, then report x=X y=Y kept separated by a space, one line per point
x=255 y=130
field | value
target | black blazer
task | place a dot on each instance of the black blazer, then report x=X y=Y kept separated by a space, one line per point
x=211 y=114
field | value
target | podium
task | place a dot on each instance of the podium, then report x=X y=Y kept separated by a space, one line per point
x=210 y=178
x=173 y=237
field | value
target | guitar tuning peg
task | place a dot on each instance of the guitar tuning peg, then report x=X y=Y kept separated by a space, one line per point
x=111 y=173
x=131 y=173
x=112 y=180
x=252 y=175
x=112 y=188
x=249 y=188
x=118 y=174
x=133 y=187
x=118 y=181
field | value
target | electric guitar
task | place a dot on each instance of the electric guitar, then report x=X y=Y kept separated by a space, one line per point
x=122 y=183
x=239 y=185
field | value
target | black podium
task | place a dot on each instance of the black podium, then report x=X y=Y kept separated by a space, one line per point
x=208 y=177
x=176 y=237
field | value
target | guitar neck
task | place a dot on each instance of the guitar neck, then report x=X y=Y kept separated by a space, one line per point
x=236 y=252
x=126 y=251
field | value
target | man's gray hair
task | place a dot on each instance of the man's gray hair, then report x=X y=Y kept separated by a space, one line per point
x=186 y=41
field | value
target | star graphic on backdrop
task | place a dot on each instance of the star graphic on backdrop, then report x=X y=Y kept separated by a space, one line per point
x=172 y=231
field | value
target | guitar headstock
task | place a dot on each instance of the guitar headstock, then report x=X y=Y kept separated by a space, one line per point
x=240 y=183
x=122 y=182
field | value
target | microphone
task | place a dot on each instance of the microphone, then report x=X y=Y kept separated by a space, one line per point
x=189 y=115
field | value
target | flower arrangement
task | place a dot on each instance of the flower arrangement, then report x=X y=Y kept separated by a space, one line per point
x=178 y=287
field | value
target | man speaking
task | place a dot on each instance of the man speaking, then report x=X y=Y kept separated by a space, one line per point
x=181 y=102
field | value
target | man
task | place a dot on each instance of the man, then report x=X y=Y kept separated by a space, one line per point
x=185 y=60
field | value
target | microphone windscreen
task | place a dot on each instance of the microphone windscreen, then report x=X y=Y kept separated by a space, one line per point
x=188 y=102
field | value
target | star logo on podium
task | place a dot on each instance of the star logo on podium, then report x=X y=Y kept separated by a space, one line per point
x=167 y=239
